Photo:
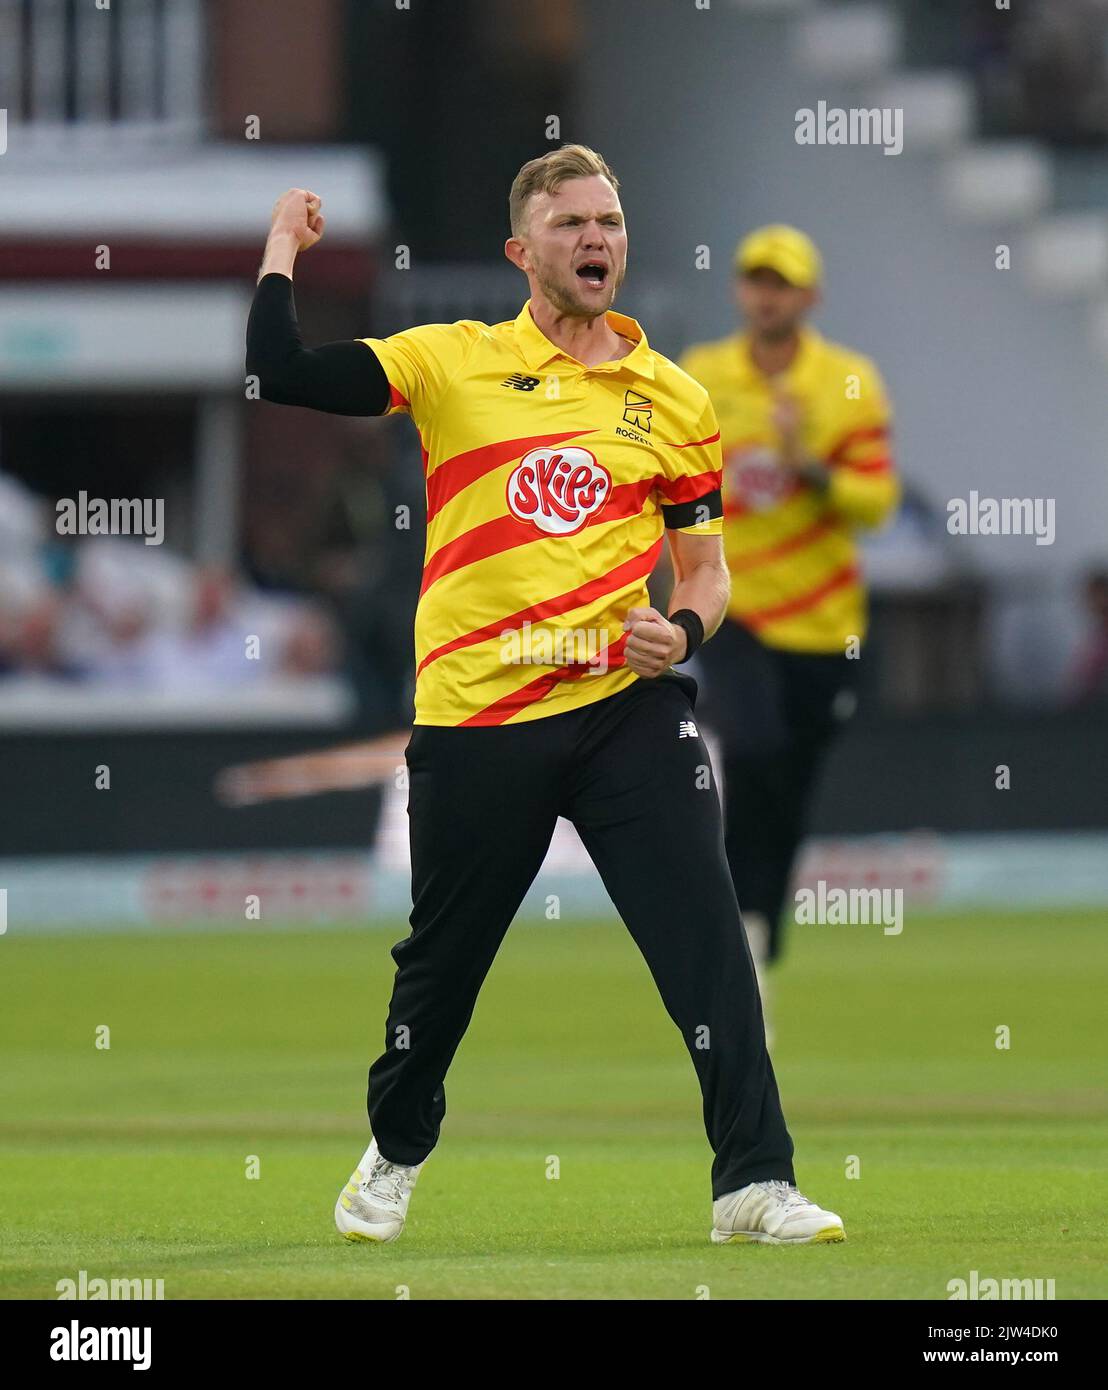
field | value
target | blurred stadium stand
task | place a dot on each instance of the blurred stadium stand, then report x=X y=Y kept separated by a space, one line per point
x=135 y=209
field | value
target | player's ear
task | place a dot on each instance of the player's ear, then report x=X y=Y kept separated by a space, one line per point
x=516 y=252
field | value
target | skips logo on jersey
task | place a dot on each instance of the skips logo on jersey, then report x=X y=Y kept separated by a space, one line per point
x=558 y=490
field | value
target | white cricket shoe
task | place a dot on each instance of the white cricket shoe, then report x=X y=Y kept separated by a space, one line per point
x=772 y=1213
x=374 y=1203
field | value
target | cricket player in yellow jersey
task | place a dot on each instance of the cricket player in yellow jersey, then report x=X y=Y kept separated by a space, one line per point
x=560 y=451
x=807 y=465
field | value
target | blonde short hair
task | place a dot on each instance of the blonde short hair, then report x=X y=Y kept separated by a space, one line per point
x=547 y=174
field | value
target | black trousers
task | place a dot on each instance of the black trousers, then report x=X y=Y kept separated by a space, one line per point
x=635 y=779
x=775 y=713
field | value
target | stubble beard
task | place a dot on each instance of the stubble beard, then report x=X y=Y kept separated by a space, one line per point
x=778 y=332
x=566 y=302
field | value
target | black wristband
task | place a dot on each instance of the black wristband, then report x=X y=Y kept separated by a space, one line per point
x=694 y=629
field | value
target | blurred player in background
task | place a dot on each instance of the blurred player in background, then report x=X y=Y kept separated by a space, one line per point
x=805 y=433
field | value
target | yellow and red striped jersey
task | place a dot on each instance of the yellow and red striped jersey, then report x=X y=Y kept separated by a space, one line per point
x=549 y=485
x=791 y=549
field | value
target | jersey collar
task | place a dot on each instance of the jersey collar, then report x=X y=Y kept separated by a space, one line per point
x=537 y=349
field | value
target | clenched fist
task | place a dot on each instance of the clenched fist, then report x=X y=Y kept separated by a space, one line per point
x=654 y=643
x=296 y=214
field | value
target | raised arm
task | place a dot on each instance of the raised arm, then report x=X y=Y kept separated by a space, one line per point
x=343 y=378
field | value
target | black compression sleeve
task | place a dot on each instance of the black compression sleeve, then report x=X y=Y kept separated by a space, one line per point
x=342 y=378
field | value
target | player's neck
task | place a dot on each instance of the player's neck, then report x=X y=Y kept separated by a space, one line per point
x=591 y=341
x=774 y=355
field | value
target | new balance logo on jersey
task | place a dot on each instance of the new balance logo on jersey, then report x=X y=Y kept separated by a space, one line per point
x=518 y=382
x=687 y=729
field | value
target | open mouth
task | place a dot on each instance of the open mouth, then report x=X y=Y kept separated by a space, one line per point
x=593 y=273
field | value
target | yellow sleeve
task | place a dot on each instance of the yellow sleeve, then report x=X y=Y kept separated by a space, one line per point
x=863 y=486
x=420 y=364
x=690 y=490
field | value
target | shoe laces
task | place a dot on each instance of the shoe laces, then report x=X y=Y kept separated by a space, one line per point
x=791 y=1196
x=387 y=1180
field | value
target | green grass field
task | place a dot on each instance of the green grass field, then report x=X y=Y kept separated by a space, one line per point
x=131 y=1162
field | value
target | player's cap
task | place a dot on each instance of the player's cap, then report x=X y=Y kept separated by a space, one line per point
x=784 y=249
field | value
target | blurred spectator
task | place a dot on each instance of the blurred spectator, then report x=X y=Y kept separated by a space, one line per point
x=29 y=641
x=111 y=611
x=209 y=651
x=311 y=645
x=368 y=561
x=1059 y=52
x=215 y=649
x=351 y=533
x=1039 y=67
x=1089 y=677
